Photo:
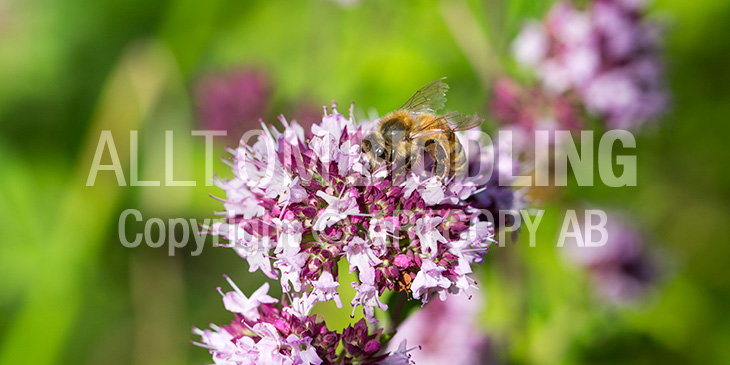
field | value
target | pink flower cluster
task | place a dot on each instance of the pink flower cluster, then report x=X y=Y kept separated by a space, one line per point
x=300 y=202
x=607 y=56
x=266 y=332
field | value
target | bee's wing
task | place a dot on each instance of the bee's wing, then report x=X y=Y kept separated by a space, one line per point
x=454 y=121
x=460 y=122
x=426 y=133
x=430 y=128
x=429 y=98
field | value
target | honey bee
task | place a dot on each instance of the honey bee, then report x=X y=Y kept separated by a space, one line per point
x=403 y=136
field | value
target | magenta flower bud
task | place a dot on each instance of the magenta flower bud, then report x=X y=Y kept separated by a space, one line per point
x=449 y=257
x=392 y=272
x=402 y=261
x=329 y=265
x=330 y=339
x=417 y=260
x=353 y=228
x=283 y=326
x=314 y=265
x=309 y=212
x=378 y=275
x=458 y=226
x=371 y=346
x=334 y=250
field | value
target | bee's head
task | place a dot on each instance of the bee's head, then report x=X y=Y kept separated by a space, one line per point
x=393 y=129
x=374 y=146
x=383 y=144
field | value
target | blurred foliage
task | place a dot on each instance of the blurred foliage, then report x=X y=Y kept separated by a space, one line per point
x=72 y=294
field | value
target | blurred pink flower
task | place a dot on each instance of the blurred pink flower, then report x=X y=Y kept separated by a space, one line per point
x=446 y=332
x=525 y=110
x=608 y=56
x=625 y=268
x=232 y=101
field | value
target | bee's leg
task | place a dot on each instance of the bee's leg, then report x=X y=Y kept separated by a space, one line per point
x=400 y=164
x=403 y=164
x=415 y=162
x=458 y=162
x=400 y=171
x=441 y=160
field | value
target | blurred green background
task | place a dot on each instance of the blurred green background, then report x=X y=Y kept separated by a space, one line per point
x=70 y=293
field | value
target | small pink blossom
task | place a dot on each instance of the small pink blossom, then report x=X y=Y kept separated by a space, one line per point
x=290 y=236
x=430 y=279
x=367 y=297
x=362 y=257
x=236 y=302
x=400 y=356
x=325 y=148
x=291 y=268
x=301 y=305
x=332 y=124
x=303 y=350
x=379 y=232
x=431 y=189
x=337 y=210
x=325 y=288
x=256 y=251
x=429 y=235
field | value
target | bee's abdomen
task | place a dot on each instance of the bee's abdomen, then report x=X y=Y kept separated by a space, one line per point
x=458 y=160
x=448 y=154
x=457 y=157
